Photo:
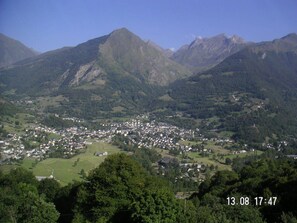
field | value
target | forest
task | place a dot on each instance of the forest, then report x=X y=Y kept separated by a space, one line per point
x=121 y=190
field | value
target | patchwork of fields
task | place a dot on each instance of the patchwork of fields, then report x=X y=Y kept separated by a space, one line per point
x=68 y=170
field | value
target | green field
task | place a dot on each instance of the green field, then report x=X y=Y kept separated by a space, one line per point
x=196 y=158
x=207 y=145
x=208 y=161
x=65 y=170
x=24 y=120
x=256 y=152
x=217 y=158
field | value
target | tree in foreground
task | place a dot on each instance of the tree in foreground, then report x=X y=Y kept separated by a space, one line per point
x=20 y=200
x=120 y=190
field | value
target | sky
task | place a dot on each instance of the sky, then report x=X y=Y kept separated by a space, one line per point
x=51 y=24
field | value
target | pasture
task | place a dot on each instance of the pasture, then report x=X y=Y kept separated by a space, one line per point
x=67 y=170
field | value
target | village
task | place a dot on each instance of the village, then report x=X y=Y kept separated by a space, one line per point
x=177 y=146
x=41 y=142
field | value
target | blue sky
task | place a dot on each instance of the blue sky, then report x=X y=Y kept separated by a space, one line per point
x=50 y=24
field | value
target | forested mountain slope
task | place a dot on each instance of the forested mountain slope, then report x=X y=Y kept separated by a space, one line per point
x=252 y=93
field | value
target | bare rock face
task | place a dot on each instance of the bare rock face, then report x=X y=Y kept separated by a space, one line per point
x=87 y=73
x=204 y=53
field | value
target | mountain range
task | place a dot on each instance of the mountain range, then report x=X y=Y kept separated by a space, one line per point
x=92 y=63
x=252 y=92
x=121 y=53
x=115 y=72
x=204 y=53
x=246 y=88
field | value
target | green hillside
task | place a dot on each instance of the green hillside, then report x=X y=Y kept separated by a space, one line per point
x=114 y=75
x=67 y=170
x=252 y=93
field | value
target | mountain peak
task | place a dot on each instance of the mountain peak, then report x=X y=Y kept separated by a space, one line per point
x=12 y=50
x=204 y=53
x=234 y=38
x=292 y=37
x=217 y=38
x=198 y=40
x=121 y=31
x=237 y=39
x=122 y=36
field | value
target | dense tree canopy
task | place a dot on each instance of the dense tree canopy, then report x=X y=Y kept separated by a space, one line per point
x=265 y=178
x=20 y=200
x=121 y=190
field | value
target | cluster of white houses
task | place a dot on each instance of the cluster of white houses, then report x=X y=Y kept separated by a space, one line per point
x=41 y=142
x=153 y=134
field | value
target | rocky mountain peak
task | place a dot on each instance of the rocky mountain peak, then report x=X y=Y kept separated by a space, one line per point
x=204 y=53
x=237 y=39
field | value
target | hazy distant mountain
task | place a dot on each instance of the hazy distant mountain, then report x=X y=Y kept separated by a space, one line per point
x=12 y=51
x=253 y=92
x=204 y=53
x=118 y=69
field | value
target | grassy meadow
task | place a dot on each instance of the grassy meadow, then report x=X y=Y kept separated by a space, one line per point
x=67 y=170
